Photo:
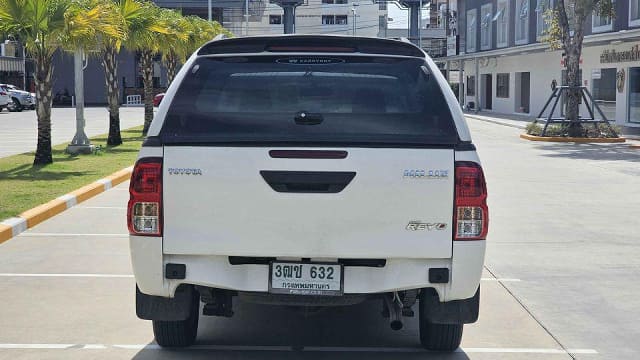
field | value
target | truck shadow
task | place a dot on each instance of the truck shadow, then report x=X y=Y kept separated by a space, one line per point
x=605 y=152
x=275 y=332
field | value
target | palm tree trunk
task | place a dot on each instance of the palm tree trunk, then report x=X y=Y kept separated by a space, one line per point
x=44 y=68
x=172 y=64
x=113 y=96
x=146 y=59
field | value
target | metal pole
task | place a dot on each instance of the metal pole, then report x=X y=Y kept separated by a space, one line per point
x=80 y=143
x=461 y=83
x=209 y=11
x=413 y=22
x=246 y=18
x=289 y=18
x=353 y=10
x=24 y=68
x=420 y=26
x=476 y=86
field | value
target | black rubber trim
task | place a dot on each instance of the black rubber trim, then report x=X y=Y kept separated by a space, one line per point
x=150 y=307
x=308 y=154
x=438 y=275
x=175 y=271
x=152 y=141
x=465 y=146
x=329 y=182
x=463 y=311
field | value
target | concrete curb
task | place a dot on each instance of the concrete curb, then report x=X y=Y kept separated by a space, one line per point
x=32 y=217
x=572 y=139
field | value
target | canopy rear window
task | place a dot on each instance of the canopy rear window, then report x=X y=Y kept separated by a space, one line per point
x=352 y=100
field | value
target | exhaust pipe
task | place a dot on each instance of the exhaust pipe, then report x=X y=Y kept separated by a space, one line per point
x=395 y=310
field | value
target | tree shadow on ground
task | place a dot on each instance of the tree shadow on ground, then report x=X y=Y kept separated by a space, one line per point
x=29 y=172
x=604 y=152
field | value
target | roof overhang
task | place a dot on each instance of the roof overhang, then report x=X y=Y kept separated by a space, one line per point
x=11 y=64
x=591 y=40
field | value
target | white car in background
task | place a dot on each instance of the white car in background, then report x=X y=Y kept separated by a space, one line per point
x=5 y=98
x=21 y=99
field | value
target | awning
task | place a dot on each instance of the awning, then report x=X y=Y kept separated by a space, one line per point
x=11 y=64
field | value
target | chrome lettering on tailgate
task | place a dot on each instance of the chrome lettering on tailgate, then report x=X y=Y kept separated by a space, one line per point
x=418 y=225
x=425 y=174
x=185 y=171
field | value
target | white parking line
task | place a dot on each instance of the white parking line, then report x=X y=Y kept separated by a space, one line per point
x=501 y=279
x=34 y=234
x=289 y=348
x=67 y=275
x=102 y=207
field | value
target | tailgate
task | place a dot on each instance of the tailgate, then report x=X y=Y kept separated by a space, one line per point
x=224 y=206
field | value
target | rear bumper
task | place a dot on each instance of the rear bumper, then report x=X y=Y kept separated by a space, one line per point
x=465 y=269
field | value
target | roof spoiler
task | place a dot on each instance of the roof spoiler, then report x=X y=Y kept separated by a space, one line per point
x=310 y=43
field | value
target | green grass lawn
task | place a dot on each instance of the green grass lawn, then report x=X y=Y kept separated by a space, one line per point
x=24 y=186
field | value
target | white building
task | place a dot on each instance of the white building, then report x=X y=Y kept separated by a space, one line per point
x=340 y=17
x=508 y=69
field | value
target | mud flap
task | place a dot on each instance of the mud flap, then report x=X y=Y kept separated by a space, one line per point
x=149 y=307
x=451 y=312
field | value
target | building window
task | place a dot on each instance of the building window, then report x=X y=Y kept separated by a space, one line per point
x=485 y=26
x=334 y=19
x=502 y=23
x=331 y=2
x=471 y=86
x=634 y=12
x=275 y=19
x=382 y=5
x=522 y=22
x=541 y=24
x=601 y=23
x=471 y=30
x=502 y=85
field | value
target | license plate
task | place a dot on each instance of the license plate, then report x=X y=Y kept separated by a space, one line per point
x=305 y=279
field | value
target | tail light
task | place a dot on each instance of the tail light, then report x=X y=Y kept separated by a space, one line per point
x=471 y=214
x=144 y=211
x=3 y=93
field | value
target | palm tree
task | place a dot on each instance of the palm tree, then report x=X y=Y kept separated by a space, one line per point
x=198 y=31
x=46 y=26
x=143 y=38
x=174 y=44
x=138 y=23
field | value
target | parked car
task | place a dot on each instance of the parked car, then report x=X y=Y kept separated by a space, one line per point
x=5 y=98
x=158 y=99
x=21 y=99
x=309 y=171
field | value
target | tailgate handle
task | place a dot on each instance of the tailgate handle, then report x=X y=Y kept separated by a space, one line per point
x=329 y=182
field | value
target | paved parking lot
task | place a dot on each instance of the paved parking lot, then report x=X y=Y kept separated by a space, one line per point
x=560 y=280
x=19 y=130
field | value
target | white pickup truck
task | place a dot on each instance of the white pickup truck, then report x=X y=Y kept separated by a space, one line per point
x=308 y=171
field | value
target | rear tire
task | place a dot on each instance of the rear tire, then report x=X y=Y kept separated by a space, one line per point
x=180 y=333
x=436 y=337
x=440 y=337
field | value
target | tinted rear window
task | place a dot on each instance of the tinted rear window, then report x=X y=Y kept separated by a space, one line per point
x=310 y=100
